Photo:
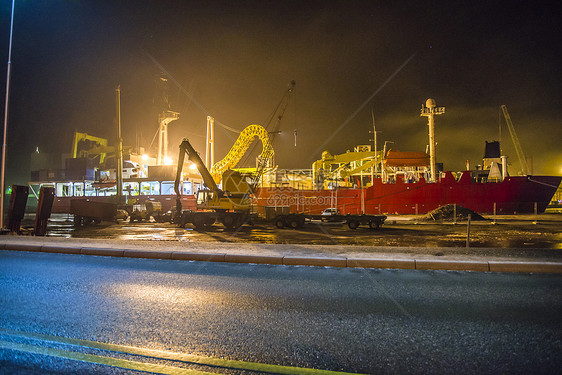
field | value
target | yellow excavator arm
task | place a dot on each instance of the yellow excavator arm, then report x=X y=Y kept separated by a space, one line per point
x=193 y=156
x=235 y=196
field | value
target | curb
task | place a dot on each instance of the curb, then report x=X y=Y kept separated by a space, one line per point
x=404 y=264
x=454 y=265
x=341 y=262
x=201 y=257
x=314 y=261
x=546 y=267
x=102 y=252
x=257 y=259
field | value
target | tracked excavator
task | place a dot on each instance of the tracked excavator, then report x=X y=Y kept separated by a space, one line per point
x=229 y=205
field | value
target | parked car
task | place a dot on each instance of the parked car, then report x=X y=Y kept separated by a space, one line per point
x=331 y=214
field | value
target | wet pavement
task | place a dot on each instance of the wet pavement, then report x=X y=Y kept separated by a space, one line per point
x=528 y=231
x=509 y=236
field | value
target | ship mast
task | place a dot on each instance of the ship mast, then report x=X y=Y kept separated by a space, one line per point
x=210 y=143
x=165 y=117
x=430 y=110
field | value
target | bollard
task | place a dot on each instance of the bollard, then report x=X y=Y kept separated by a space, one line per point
x=44 y=206
x=16 y=209
x=536 y=214
x=468 y=231
x=454 y=213
x=494 y=221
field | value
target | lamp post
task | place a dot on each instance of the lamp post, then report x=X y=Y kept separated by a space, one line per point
x=8 y=74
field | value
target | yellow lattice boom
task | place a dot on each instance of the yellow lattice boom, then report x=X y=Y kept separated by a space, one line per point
x=240 y=147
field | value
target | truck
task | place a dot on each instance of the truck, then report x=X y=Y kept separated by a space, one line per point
x=231 y=205
x=143 y=212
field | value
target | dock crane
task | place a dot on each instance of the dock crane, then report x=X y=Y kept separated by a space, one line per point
x=516 y=144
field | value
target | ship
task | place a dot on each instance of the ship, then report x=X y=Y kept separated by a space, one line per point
x=367 y=181
x=364 y=180
x=512 y=195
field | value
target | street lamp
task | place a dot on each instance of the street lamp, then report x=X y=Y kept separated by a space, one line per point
x=3 y=172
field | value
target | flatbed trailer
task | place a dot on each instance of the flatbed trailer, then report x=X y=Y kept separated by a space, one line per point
x=231 y=220
x=204 y=219
x=85 y=211
x=295 y=221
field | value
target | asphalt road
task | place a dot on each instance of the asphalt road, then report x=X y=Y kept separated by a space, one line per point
x=354 y=320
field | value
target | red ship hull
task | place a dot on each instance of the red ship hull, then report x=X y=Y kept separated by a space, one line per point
x=520 y=194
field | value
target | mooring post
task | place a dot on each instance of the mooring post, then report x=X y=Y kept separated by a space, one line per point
x=468 y=231
x=454 y=213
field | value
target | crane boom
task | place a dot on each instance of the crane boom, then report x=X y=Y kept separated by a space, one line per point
x=193 y=156
x=240 y=147
x=230 y=205
x=516 y=143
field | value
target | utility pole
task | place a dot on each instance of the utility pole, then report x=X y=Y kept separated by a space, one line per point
x=4 y=143
x=120 y=146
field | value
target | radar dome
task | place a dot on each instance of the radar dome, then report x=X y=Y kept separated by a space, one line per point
x=430 y=103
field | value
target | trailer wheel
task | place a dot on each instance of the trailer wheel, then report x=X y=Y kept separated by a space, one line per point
x=240 y=220
x=229 y=221
x=199 y=222
x=294 y=222
x=280 y=223
x=374 y=224
x=352 y=224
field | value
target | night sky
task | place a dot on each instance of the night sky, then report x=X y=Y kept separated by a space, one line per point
x=236 y=59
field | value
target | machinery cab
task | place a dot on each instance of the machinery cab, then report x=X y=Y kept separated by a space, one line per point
x=204 y=197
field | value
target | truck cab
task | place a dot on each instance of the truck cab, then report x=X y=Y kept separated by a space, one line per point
x=331 y=212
